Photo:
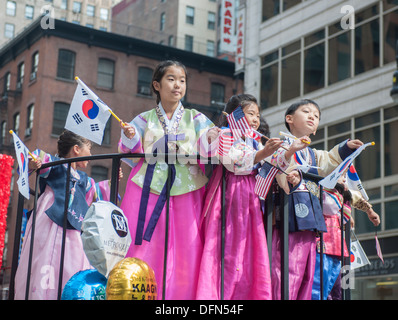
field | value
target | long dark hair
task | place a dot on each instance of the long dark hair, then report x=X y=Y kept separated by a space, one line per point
x=67 y=140
x=160 y=71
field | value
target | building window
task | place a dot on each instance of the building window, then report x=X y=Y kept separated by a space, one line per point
x=104 y=14
x=190 y=15
x=171 y=41
x=20 y=75
x=11 y=8
x=269 y=79
x=29 y=12
x=314 y=61
x=6 y=83
x=211 y=21
x=90 y=10
x=106 y=70
x=210 y=48
x=339 y=57
x=77 y=7
x=16 y=123
x=35 y=65
x=29 y=120
x=64 y=4
x=144 y=81
x=162 y=21
x=61 y=110
x=99 y=173
x=367 y=41
x=188 y=43
x=272 y=8
x=66 y=64
x=9 y=30
x=290 y=71
x=4 y=133
x=217 y=93
x=390 y=22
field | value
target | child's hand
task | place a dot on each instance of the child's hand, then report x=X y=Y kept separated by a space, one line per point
x=300 y=143
x=120 y=174
x=373 y=217
x=34 y=164
x=128 y=130
x=273 y=144
x=212 y=134
x=354 y=144
x=293 y=178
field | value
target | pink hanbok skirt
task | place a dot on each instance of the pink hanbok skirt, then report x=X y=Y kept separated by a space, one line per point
x=47 y=255
x=185 y=244
x=246 y=266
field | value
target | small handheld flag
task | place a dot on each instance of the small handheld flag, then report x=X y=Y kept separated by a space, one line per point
x=88 y=114
x=378 y=249
x=21 y=152
x=238 y=123
x=288 y=135
x=358 y=257
x=331 y=180
x=226 y=141
x=264 y=179
x=354 y=183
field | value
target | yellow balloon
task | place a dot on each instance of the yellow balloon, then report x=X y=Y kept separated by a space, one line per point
x=131 y=279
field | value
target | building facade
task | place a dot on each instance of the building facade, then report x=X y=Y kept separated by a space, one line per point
x=342 y=55
x=37 y=71
x=185 y=24
x=15 y=15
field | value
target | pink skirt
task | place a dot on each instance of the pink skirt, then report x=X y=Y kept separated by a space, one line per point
x=47 y=255
x=246 y=266
x=185 y=245
x=302 y=254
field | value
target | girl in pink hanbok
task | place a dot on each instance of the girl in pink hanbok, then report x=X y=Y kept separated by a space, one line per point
x=246 y=266
x=169 y=127
x=49 y=220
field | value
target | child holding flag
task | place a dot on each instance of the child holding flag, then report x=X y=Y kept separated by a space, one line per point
x=305 y=213
x=246 y=270
x=49 y=220
x=169 y=127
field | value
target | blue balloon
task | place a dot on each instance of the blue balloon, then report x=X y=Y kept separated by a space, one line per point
x=85 y=285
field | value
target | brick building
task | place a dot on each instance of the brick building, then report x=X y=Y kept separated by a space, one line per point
x=37 y=70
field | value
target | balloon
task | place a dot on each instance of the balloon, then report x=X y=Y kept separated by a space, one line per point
x=131 y=279
x=85 y=285
x=105 y=236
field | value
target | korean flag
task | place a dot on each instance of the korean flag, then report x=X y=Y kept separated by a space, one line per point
x=88 y=114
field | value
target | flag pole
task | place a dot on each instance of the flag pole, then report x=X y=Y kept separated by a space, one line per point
x=34 y=158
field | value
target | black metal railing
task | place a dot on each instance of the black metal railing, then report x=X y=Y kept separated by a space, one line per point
x=270 y=204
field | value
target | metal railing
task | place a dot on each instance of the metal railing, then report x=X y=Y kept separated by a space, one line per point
x=275 y=198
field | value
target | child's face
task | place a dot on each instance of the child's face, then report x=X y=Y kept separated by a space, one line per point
x=83 y=151
x=304 y=121
x=172 y=86
x=252 y=114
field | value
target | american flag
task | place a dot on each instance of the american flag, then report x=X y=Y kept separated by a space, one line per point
x=264 y=179
x=238 y=123
x=226 y=141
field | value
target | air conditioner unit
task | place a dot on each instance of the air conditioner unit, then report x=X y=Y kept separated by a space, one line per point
x=33 y=76
x=19 y=85
x=145 y=90
x=28 y=132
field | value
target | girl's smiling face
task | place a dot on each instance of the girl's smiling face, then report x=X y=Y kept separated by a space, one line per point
x=252 y=114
